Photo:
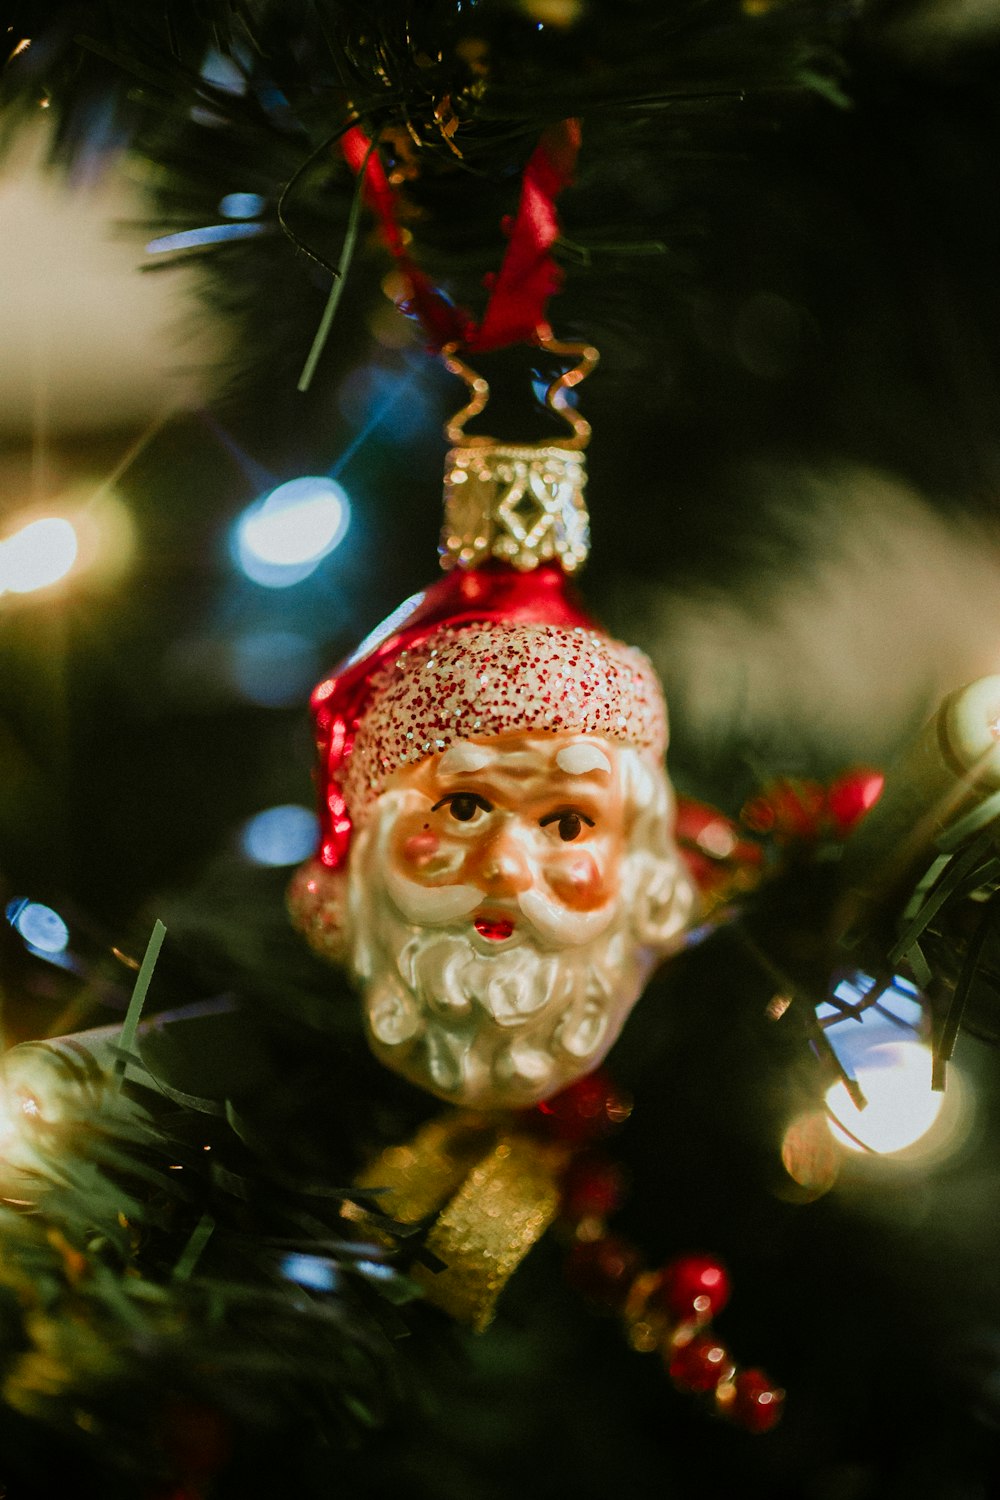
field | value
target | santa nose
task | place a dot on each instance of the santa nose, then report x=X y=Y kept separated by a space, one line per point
x=502 y=866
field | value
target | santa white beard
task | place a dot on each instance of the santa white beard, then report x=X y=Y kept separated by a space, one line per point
x=477 y=1023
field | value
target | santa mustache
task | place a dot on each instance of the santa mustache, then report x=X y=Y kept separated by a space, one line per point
x=439 y=906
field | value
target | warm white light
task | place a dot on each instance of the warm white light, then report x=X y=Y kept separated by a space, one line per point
x=895 y=1078
x=284 y=538
x=36 y=556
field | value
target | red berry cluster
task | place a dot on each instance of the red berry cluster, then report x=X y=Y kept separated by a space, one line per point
x=792 y=810
x=669 y=1310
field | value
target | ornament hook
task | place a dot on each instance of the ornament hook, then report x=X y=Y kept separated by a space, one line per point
x=555 y=396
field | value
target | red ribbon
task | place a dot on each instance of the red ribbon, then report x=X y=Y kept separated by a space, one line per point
x=519 y=293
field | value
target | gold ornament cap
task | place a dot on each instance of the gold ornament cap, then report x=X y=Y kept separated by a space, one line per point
x=520 y=504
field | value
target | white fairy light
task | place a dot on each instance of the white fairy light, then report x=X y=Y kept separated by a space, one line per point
x=883 y=1047
x=283 y=538
x=37 y=555
x=901 y=1106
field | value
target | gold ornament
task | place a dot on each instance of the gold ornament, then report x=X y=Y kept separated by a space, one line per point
x=520 y=504
x=495 y=1191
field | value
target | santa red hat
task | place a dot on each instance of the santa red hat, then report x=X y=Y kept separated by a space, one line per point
x=481 y=653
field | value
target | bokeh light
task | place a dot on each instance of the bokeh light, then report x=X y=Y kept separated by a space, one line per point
x=883 y=1047
x=901 y=1107
x=93 y=534
x=280 y=835
x=310 y=1270
x=37 y=555
x=282 y=539
x=41 y=928
x=206 y=234
x=241 y=205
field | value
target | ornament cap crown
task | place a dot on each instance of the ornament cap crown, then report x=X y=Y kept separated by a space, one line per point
x=518 y=503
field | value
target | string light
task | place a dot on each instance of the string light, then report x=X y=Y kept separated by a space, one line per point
x=94 y=534
x=882 y=1046
x=42 y=929
x=901 y=1107
x=38 y=555
x=282 y=539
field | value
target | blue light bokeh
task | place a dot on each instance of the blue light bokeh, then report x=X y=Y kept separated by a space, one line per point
x=42 y=929
x=282 y=539
x=241 y=205
x=280 y=835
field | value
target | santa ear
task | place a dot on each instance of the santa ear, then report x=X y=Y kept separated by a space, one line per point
x=316 y=901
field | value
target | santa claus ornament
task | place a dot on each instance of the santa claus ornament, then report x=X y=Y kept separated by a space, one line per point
x=497 y=869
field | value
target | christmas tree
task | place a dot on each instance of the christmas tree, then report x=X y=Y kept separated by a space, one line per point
x=221 y=1252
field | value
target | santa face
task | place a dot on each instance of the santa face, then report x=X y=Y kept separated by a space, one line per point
x=506 y=902
x=521 y=840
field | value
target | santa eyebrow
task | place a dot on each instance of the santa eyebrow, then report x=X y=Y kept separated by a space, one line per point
x=472 y=796
x=578 y=760
x=463 y=757
x=553 y=817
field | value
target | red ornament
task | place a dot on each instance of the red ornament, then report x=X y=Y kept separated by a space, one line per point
x=756 y=1404
x=586 y=1111
x=699 y=1365
x=692 y=1288
x=851 y=796
x=603 y=1270
x=593 y=1188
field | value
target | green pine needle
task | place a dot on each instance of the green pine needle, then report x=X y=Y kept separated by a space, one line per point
x=138 y=1000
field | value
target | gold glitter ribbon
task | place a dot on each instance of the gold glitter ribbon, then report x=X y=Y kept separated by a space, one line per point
x=495 y=1191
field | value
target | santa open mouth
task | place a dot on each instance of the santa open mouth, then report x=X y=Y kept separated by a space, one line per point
x=496 y=929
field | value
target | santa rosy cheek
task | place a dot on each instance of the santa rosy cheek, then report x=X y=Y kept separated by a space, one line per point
x=420 y=848
x=579 y=882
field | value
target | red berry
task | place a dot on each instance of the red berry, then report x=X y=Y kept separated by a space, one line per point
x=851 y=796
x=587 y=1111
x=692 y=1287
x=603 y=1270
x=593 y=1188
x=699 y=1365
x=756 y=1403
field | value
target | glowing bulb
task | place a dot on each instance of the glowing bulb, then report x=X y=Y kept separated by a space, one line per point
x=41 y=928
x=283 y=539
x=36 y=556
x=970 y=725
x=895 y=1078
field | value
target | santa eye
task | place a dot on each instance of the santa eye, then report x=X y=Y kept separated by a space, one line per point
x=570 y=823
x=463 y=806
